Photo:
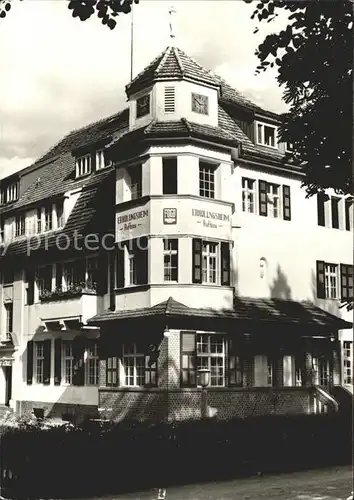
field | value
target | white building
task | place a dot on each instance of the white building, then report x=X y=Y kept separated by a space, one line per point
x=176 y=236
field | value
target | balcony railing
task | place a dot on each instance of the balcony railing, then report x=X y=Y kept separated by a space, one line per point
x=68 y=292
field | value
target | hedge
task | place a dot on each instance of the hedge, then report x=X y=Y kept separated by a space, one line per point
x=105 y=458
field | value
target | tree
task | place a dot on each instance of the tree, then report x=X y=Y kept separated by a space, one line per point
x=106 y=10
x=314 y=59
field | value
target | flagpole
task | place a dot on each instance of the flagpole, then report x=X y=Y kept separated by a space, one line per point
x=132 y=42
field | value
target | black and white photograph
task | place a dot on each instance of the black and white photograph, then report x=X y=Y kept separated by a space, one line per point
x=176 y=249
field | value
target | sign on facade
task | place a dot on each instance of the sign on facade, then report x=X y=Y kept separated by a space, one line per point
x=170 y=215
x=210 y=219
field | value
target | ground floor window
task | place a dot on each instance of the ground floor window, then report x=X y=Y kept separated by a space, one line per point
x=347 y=362
x=67 y=362
x=139 y=365
x=39 y=362
x=320 y=367
x=92 y=363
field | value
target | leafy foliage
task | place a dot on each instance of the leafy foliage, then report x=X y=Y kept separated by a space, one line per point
x=106 y=10
x=314 y=58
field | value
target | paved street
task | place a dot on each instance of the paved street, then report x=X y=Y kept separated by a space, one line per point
x=325 y=484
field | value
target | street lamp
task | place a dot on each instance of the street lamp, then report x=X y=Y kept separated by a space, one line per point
x=204 y=381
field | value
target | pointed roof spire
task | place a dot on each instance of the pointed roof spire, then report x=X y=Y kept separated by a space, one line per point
x=172 y=13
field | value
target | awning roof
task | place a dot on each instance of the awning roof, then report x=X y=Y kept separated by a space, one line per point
x=245 y=309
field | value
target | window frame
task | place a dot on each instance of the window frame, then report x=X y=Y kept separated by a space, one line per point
x=9 y=319
x=38 y=362
x=136 y=181
x=42 y=279
x=207 y=176
x=328 y=274
x=67 y=375
x=347 y=362
x=206 y=256
x=273 y=212
x=261 y=140
x=83 y=165
x=171 y=254
x=12 y=192
x=100 y=159
x=92 y=363
x=138 y=352
x=140 y=105
x=20 y=225
x=246 y=192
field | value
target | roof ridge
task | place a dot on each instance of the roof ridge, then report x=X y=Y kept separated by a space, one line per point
x=145 y=69
x=178 y=59
x=167 y=52
x=196 y=63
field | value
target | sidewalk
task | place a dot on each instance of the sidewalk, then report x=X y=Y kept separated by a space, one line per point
x=319 y=484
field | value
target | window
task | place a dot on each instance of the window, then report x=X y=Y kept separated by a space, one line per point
x=9 y=309
x=200 y=104
x=48 y=218
x=347 y=362
x=39 y=220
x=12 y=192
x=39 y=362
x=92 y=363
x=269 y=371
x=20 y=225
x=346 y=282
x=112 y=369
x=266 y=135
x=335 y=211
x=67 y=362
x=143 y=106
x=132 y=268
x=169 y=175
x=170 y=258
x=139 y=366
x=83 y=165
x=135 y=181
x=209 y=262
x=60 y=214
x=211 y=355
x=349 y=214
x=44 y=279
x=137 y=263
x=273 y=200
x=331 y=281
x=169 y=99
x=236 y=366
x=248 y=195
x=206 y=180
x=74 y=274
x=100 y=160
x=320 y=366
x=92 y=273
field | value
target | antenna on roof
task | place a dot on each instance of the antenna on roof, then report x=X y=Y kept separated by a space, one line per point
x=132 y=42
x=172 y=12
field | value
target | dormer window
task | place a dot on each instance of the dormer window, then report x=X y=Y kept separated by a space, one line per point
x=100 y=161
x=9 y=193
x=83 y=165
x=143 y=106
x=170 y=98
x=267 y=135
x=200 y=104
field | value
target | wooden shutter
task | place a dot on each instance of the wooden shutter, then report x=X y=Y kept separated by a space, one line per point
x=79 y=365
x=262 y=195
x=102 y=285
x=29 y=362
x=225 y=263
x=30 y=293
x=346 y=282
x=235 y=363
x=112 y=295
x=320 y=279
x=286 y=203
x=57 y=361
x=120 y=282
x=188 y=359
x=142 y=264
x=197 y=260
x=321 y=209
x=59 y=276
x=47 y=350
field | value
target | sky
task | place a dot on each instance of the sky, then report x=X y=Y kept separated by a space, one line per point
x=58 y=73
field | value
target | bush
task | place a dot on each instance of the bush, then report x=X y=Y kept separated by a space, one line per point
x=51 y=461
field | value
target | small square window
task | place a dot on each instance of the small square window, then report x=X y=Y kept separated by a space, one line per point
x=143 y=106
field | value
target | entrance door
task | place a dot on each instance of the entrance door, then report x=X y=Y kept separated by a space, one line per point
x=8 y=389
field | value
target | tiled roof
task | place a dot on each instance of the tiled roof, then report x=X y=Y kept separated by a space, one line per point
x=172 y=63
x=91 y=214
x=245 y=308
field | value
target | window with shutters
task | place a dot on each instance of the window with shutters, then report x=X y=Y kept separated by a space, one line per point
x=335 y=212
x=20 y=225
x=210 y=261
x=170 y=259
x=112 y=371
x=169 y=175
x=248 y=195
x=139 y=365
x=169 y=101
x=136 y=181
x=92 y=363
x=331 y=281
x=273 y=200
x=347 y=362
x=236 y=365
x=67 y=362
x=39 y=362
x=266 y=135
x=206 y=180
x=83 y=165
